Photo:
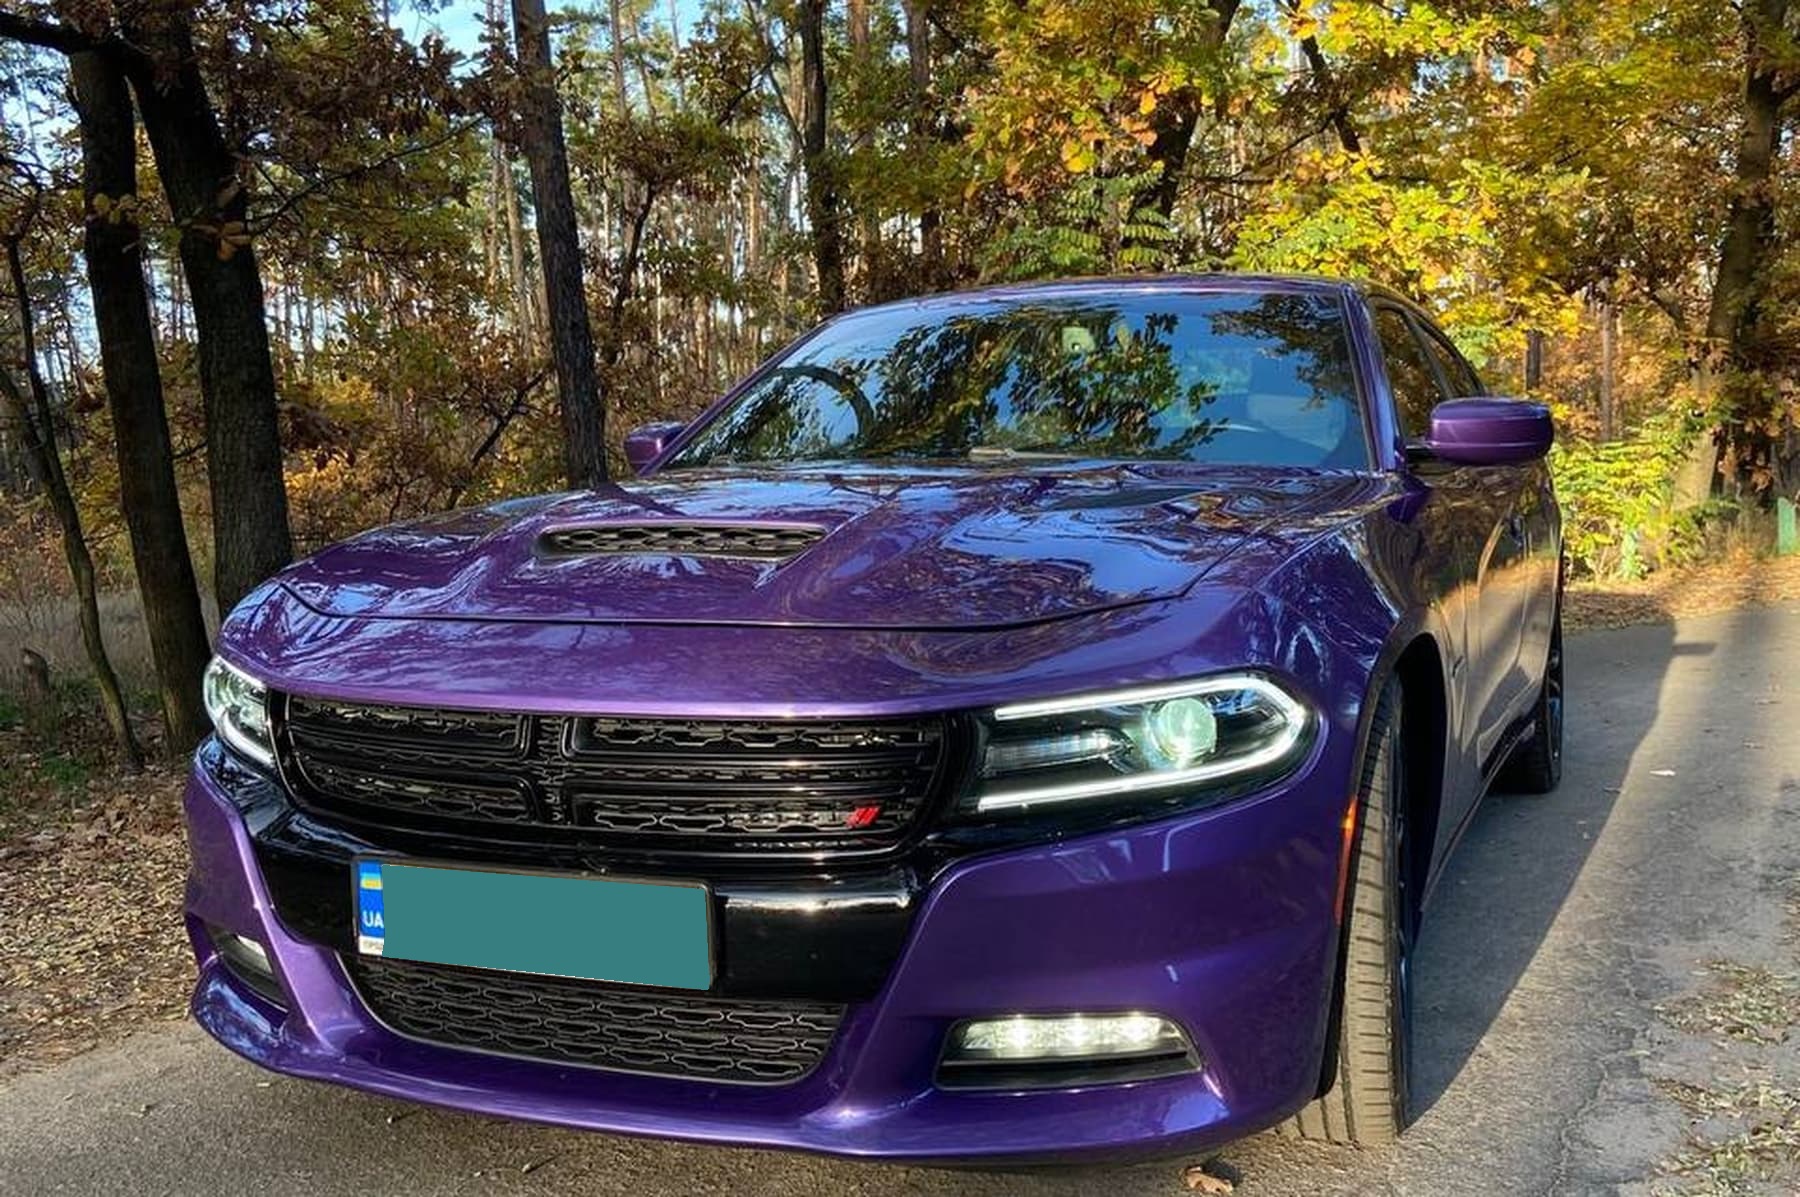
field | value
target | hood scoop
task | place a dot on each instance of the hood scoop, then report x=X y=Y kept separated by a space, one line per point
x=664 y=538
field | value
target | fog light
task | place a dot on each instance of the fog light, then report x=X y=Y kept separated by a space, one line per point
x=248 y=961
x=1027 y=1038
x=1037 y=1051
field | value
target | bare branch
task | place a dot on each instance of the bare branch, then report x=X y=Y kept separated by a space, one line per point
x=48 y=34
x=289 y=201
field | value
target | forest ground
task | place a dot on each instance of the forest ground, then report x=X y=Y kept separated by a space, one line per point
x=1607 y=984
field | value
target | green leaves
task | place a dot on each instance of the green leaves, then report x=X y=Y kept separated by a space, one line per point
x=1083 y=86
x=120 y=211
x=1619 y=511
x=1437 y=237
x=1092 y=225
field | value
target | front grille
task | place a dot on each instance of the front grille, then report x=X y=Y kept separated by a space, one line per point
x=595 y=1024
x=650 y=785
x=761 y=542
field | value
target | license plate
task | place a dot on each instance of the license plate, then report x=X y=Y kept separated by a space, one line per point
x=555 y=924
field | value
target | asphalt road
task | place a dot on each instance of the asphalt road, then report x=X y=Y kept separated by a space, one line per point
x=1565 y=924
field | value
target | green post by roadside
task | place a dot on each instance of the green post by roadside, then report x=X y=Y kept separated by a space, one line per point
x=1787 y=536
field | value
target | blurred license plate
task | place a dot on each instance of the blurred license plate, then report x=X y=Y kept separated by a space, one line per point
x=556 y=924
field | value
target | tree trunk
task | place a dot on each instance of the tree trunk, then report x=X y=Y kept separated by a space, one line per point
x=525 y=303
x=1750 y=436
x=877 y=279
x=71 y=345
x=618 y=58
x=36 y=430
x=41 y=715
x=147 y=492
x=1609 y=364
x=306 y=333
x=1750 y=222
x=1349 y=140
x=1175 y=121
x=918 y=74
x=822 y=202
x=178 y=304
x=559 y=249
x=237 y=376
x=624 y=282
x=493 y=231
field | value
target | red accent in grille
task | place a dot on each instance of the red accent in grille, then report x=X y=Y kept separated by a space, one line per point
x=862 y=816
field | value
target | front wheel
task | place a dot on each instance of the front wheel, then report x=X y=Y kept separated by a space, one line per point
x=1366 y=1103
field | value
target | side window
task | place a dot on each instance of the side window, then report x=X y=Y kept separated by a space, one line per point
x=1463 y=383
x=1414 y=383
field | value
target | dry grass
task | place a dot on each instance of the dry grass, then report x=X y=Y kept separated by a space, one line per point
x=91 y=870
x=1739 y=579
x=49 y=625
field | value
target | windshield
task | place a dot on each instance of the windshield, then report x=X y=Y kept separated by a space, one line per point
x=1227 y=378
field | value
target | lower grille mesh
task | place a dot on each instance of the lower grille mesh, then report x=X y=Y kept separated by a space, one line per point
x=595 y=1024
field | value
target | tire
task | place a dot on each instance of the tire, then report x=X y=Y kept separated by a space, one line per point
x=1366 y=1102
x=1535 y=766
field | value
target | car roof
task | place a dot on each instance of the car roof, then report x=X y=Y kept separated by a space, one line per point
x=1134 y=284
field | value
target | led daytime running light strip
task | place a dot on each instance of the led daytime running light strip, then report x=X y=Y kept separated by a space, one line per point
x=1294 y=716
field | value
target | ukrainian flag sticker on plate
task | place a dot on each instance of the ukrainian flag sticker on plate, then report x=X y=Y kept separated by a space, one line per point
x=371 y=933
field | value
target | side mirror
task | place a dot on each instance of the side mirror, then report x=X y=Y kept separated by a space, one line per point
x=646 y=443
x=1489 y=431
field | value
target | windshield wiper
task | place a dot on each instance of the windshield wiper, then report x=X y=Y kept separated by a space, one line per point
x=1005 y=453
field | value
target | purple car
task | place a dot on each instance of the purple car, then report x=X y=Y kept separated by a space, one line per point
x=1016 y=724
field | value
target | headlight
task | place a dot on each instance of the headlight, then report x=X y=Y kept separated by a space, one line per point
x=1142 y=741
x=239 y=707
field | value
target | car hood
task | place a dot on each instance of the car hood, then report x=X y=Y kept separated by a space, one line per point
x=864 y=547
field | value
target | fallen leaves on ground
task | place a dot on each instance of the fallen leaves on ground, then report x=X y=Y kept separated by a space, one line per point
x=1754 y=1004
x=1738 y=580
x=1744 y=1107
x=1199 y=1180
x=90 y=913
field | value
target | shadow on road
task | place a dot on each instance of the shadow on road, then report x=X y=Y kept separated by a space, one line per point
x=1523 y=854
